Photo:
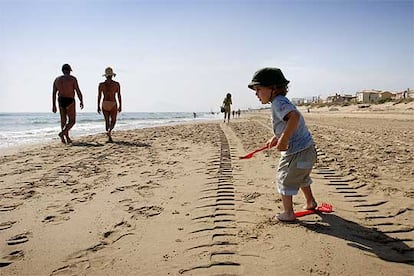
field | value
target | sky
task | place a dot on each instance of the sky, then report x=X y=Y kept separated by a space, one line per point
x=187 y=55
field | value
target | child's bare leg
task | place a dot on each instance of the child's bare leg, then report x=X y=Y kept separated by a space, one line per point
x=288 y=214
x=310 y=200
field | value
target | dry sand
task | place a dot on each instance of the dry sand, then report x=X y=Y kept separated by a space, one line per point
x=177 y=200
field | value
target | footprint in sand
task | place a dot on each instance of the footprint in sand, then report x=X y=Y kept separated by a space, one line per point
x=49 y=218
x=18 y=239
x=145 y=211
x=54 y=219
x=10 y=258
x=66 y=209
x=85 y=197
x=80 y=261
x=250 y=197
x=117 y=232
x=142 y=211
x=6 y=208
x=6 y=225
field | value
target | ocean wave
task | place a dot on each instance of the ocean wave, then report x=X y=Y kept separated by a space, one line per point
x=23 y=128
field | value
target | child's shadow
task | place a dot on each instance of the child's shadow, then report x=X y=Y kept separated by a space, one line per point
x=364 y=238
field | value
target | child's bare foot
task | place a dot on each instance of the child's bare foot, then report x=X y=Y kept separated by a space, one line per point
x=286 y=217
x=310 y=200
x=62 y=138
x=310 y=205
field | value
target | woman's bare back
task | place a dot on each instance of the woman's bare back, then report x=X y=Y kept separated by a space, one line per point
x=109 y=89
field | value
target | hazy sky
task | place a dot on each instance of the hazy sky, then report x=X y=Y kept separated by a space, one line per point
x=186 y=55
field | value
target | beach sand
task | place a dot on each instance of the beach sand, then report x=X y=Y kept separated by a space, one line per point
x=177 y=200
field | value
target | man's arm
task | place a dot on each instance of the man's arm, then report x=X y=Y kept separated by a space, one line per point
x=54 y=91
x=119 y=98
x=79 y=93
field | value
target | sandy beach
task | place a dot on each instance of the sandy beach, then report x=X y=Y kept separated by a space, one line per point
x=177 y=200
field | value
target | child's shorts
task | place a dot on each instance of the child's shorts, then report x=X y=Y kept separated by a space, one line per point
x=294 y=171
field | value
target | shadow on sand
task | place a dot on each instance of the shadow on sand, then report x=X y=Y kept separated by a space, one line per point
x=87 y=144
x=120 y=143
x=367 y=239
x=129 y=144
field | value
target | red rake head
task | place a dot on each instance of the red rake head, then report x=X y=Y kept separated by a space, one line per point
x=325 y=207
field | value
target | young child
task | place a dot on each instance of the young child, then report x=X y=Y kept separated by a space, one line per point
x=291 y=137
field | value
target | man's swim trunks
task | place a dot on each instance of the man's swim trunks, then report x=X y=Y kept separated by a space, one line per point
x=65 y=101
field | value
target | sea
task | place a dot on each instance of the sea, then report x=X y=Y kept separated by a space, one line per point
x=18 y=129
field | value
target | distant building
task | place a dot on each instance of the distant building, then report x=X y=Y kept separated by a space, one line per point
x=406 y=94
x=374 y=96
x=399 y=95
x=386 y=95
x=340 y=98
x=364 y=96
x=367 y=96
x=298 y=101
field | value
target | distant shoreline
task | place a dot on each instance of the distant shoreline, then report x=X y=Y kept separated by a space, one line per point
x=25 y=129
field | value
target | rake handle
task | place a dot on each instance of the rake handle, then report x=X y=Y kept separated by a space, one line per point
x=304 y=213
x=257 y=150
x=250 y=154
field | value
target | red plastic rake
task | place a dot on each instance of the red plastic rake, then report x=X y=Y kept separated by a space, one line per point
x=324 y=208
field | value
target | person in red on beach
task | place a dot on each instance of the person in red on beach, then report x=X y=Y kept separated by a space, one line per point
x=66 y=86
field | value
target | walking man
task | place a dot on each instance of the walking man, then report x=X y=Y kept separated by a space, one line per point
x=66 y=86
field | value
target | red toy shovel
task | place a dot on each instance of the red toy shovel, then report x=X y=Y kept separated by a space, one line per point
x=324 y=208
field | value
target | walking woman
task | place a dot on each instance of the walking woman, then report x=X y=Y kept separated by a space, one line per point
x=227 y=109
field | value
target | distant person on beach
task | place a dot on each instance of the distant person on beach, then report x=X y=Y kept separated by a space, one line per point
x=66 y=86
x=110 y=90
x=227 y=107
x=291 y=137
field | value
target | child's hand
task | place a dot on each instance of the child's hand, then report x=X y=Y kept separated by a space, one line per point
x=282 y=145
x=271 y=142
